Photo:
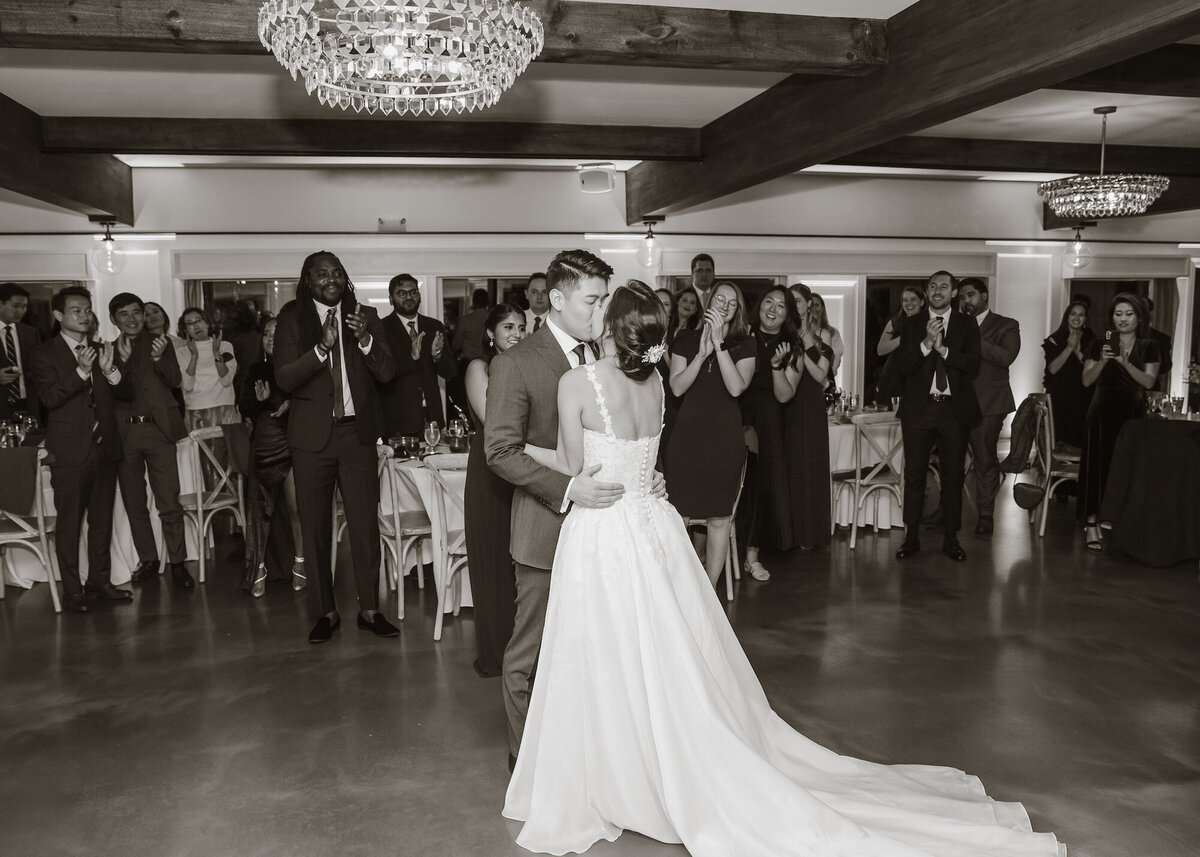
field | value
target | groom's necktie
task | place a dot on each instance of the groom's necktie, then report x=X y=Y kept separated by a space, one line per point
x=579 y=355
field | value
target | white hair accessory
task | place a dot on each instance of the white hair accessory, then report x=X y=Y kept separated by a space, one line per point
x=654 y=353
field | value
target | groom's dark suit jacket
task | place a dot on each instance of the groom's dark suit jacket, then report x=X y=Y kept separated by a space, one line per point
x=522 y=407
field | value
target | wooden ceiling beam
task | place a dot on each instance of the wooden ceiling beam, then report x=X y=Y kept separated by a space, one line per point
x=1182 y=194
x=946 y=58
x=94 y=185
x=1023 y=156
x=366 y=137
x=576 y=32
x=1172 y=70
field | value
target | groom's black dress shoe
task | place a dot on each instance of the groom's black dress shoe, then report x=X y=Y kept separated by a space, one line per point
x=106 y=591
x=952 y=549
x=907 y=549
x=378 y=626
x=323 y=630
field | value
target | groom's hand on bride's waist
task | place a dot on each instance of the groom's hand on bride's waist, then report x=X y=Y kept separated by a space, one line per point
x=587 y=492
x=658 y=486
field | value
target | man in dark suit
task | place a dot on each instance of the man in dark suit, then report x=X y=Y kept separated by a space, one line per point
x=78 y=381
x=704 y=272
x=150 y=425
x=999 y=344
x=421 y=352
x=17 y=340
x=523 y=409
x=329 y=354
x=939 y=358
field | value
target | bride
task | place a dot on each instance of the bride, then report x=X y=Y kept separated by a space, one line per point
x=646 y=714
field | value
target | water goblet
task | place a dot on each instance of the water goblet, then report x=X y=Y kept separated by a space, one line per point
x=433 y=434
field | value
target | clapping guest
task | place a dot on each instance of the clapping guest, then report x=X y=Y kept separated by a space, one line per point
x=1121 y=367
x=710 y=368
x=158 y=324
x=271 y=485
x=1065 y=349
x=764 y=514
x=150 y=425
x=799 y=374
x=488 y=506
x=208 y=367
x=912 y=301
x=78 y=381
x=829 y=335
x=421 y=349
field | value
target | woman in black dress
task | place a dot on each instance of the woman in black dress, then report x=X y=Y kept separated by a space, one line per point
x=799 y=376
x=710 y=368
x=1121 y=367
x=270 y=479
x=1065 y=349
x=685 y=316
x=912 y=299
x=488 y=501
x=764 y=515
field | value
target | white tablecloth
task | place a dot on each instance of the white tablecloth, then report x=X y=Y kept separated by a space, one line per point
x=414 y=492
x=26 y=570
x=881 y=510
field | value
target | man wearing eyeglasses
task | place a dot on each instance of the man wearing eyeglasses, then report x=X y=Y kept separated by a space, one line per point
x=422 y=353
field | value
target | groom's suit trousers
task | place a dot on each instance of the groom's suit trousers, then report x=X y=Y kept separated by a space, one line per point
x=521 y=654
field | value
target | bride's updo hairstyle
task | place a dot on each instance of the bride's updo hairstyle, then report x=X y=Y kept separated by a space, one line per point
x=636 y=321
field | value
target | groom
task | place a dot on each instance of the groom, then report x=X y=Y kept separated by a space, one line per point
x=523 y=409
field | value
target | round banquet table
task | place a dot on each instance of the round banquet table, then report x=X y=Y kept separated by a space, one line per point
x=414 y=492
x=25 y=570
x=1152 y=498
x=881 y=510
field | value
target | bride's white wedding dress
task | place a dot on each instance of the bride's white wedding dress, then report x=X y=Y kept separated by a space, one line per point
x=647 y=716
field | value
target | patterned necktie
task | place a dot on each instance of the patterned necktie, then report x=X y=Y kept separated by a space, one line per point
x=412 y=328
x=578 y=352
x=10 y=349
x=537 y=322
x=335 y=368
x=91 y=399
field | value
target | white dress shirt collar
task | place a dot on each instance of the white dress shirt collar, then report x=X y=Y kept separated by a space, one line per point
x=566 y=342
x=981 y=315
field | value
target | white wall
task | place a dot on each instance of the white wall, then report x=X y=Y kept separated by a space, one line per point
x=261 y=224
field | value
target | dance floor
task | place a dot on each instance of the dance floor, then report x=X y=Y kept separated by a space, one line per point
x=202 y=723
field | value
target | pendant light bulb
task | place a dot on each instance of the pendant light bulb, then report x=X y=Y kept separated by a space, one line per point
x=108 y=257
x=649 y=254
x=1079 y=254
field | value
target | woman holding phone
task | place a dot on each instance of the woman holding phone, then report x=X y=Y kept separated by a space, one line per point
x=1121 y=366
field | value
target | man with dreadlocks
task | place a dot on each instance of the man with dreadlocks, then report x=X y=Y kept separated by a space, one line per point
x=329 y=354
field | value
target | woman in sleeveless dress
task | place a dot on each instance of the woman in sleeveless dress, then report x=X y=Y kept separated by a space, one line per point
x=646 y=714
x=488 y=500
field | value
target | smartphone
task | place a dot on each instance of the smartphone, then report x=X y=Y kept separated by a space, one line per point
x=1108 y=336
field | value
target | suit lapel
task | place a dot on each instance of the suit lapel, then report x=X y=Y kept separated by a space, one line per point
x=547 y=346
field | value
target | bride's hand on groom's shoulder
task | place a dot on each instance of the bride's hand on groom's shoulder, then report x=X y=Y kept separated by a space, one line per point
x=587 y=492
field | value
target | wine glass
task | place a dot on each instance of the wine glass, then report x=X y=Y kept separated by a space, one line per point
x=433 y=434
x=895 y=403
x=1177 y=404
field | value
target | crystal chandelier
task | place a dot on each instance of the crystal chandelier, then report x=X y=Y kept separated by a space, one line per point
x=1117 y=195
x=402 y=56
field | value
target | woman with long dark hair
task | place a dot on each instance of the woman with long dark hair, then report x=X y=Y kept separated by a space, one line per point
x=912 y=301
x=764 y=514
x=1121 y=367
x=710 y=368
x=1065 y=351
x=799 y=375
x=270 y=486
x=488 y=506
x=830 y=335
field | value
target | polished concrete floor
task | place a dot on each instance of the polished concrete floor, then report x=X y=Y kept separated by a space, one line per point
x=202 y=723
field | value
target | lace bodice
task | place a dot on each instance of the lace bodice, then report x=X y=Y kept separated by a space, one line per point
x=629 y=462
